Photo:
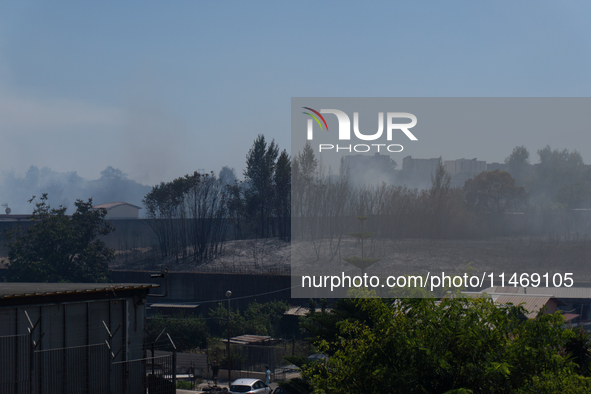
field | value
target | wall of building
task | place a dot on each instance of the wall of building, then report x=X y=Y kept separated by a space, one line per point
x=123 y=212
x=70 y=324
x=206 y=287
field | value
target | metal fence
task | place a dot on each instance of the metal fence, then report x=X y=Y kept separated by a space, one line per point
x=153 y=373
x=15 y=364
x=79 y=370
x=256 y=357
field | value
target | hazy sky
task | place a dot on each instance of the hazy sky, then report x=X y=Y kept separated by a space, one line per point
x=160 y=89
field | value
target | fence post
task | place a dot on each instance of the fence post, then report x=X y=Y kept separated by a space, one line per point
x=174 y=367
x=31 y=362
x=173 y=361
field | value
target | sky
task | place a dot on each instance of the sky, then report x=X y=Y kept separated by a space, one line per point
x=162 y=89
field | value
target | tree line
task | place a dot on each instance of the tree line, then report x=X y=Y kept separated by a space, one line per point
x=192 y=215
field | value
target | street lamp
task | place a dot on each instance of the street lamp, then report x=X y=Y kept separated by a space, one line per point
x=228 y=295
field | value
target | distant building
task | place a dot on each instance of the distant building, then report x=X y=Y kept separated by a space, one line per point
x=420 y=168
x=496 y=166
x=465 y=166
x=370 y=169
x=120 y=210
x=573 y=302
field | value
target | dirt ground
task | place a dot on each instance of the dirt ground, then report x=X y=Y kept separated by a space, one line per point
x=400 y=256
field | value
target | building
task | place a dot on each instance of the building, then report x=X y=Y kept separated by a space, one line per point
x=574 y=302
x=465 y=166
x=420 y=168
x=120 y=210
x=73 y=337
x=370 y=169
x=496 y=166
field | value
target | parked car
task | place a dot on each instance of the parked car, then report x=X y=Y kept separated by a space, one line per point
x=318 y=357
x=249 y=386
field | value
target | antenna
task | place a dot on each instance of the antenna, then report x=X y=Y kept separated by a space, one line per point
x=7 y=210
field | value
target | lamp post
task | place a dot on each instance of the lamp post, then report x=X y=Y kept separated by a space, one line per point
x=228 y=295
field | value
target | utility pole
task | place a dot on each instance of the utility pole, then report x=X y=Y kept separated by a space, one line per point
x=229 y=294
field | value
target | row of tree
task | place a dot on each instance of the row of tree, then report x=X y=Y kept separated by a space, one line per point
x=561 y=177
x=192 y=215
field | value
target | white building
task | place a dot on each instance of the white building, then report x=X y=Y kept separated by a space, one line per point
x=120 y=210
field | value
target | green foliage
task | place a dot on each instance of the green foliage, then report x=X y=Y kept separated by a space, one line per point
x=187 y=332
x=218 y=321
x=61 y=248
x=518 y=164
x=282 y=195
x=260 y=168
x=183 y=385
x=578 y=346
x=423 y=346
x=257 y=319
x=494 y=192
x=264 y=319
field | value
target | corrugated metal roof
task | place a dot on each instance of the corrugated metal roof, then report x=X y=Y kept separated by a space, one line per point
x=250 y=339
x=557 y=292
x=532 y=304
x=571 y=316
x=110 y=205
x=17 y=290
x=301 y=311
x=178 y=305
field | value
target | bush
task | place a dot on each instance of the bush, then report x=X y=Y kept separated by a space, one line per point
x=183 y=384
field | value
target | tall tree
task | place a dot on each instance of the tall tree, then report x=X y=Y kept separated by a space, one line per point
x=518 y=164
x=282 y=206
x=61 y=248
x=259 y=173
x=440 y=198
x=557 y=168
x=494 y=192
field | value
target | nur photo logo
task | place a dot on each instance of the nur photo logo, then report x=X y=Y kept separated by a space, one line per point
x=392 y=120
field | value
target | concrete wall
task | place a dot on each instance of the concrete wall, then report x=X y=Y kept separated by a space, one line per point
x=123 y=212
x=207 y=287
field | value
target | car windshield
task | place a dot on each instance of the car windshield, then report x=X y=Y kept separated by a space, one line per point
x=239 y=388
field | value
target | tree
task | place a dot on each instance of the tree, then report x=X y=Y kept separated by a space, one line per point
x=494 y=192
x=557 y=168
x=457 y=345
x=187 y=215
x=61 y=248
x=227 y=175
x=260 y=168
x=440 y=197
x=282 y=201
x=518 y=164
x=361 y=262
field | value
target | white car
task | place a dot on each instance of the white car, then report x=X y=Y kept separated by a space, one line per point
x=249 y=386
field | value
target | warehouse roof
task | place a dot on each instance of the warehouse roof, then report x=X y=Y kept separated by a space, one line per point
x=115 y=204
x=557 y=292
x=20 y=290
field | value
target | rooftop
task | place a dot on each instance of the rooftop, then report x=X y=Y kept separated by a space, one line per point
x=110 y=205
x=19 y=290
x=557 y=292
